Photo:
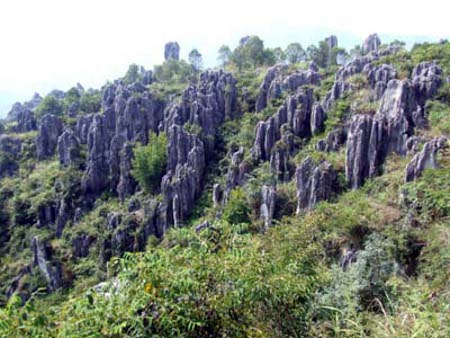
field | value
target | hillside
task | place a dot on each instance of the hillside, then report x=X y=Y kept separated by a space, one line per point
x=291 y=193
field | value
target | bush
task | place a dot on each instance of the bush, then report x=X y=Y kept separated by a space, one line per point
x=173 y=71
x=90 y=102
x=150 y=162
x=237 y=210
x=439 y=116
x=50 y=105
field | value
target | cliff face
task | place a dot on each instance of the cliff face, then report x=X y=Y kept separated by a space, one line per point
x=319 y=131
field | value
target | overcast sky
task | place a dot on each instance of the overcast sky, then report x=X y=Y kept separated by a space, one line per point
x=47 y=44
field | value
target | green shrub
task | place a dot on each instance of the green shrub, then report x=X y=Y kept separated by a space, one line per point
x=439 y=116
x=50 y=105
x=237 y=210
x=150 y=162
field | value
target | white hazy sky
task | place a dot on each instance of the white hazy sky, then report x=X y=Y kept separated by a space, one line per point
x=47 y=44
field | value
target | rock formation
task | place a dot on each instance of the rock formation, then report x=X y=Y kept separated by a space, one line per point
x=371 y=44
x=50 y=129
x=315 y=183
x=172 y=51
x=426 y=159
x=68 y=148
x=268 y=205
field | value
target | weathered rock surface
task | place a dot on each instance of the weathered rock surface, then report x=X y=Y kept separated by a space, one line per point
x=126 y=118
x=296 y=113
x=235 y=175
x=426 y=159
x=371 y=44
x=268 y=205
x=81 y=245
x=26 y=121
x=68 y=149
x=275 y=83
x=318 y=118
x=315 y=183
x=50 y=129
x=172 y=51
x=334 y=140
x=50 y=269
x=206 y=105
x=357 y=153
x=18 y=107
x=332 y=41
x=427 y=77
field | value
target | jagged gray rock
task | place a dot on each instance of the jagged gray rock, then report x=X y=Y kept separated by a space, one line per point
x=269 y=196
x=334 y=140
x=81 y=245
x=275 y=83
x=26 y=121
x=50 y=269
x=235 y=175
x=82 y=127
x=318 y=117
x=217 y=195
x=332 y=41
x=393 y=123
x=127 y=184
x=68 y=149
x=296 y=113
x=357 y=153
x=371 y=44
x=50 y=129
x=426 y=159
x=172 y=51
x=426 y=80
x=315 y=183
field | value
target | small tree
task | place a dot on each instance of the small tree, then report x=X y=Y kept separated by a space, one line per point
x=50 y=105
x=132 y=74
x=224 y=55
x=237 y=209
x=295 y=53
x=150 y=162
x=196 y=60
x=280 y=55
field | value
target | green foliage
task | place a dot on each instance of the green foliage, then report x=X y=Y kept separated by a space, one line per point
x=439 y=116
x=237 y=210
x=337 y=114
x=432 y=51
x=173 y=71
x=90 y=102
x=429 y=196
x=365 y=282
x=50 y=105
x=150 y=162
x=132 y=74
x=295 y=53
x=196 y=60
x=224 y=55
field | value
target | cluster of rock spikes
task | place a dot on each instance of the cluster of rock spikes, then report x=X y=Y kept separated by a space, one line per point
x=127 y=118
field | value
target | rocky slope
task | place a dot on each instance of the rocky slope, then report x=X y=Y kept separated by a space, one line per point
x=71 y=202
